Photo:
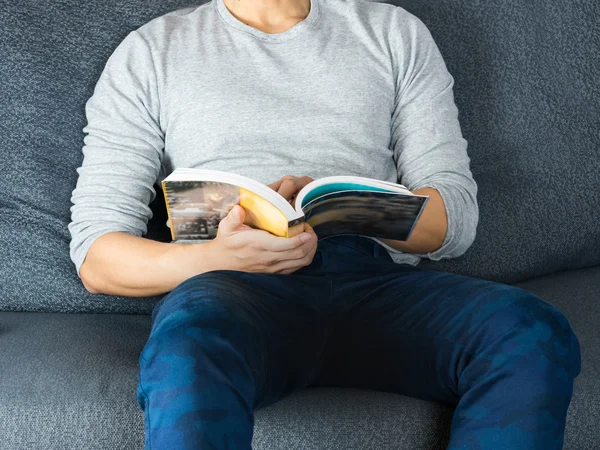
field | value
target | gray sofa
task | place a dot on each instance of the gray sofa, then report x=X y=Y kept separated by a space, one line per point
x=527 y=86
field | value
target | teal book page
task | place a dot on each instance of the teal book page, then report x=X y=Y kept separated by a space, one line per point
x=338 y=187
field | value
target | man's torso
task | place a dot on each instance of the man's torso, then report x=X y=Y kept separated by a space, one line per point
x=318 y=103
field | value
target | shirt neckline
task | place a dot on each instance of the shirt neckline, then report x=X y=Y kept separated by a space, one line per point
x=297 y=29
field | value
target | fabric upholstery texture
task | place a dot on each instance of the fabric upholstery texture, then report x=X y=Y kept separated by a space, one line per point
x=69 y=381
x=527 y=78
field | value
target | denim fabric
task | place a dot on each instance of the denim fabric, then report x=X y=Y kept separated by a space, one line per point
x=225 y=343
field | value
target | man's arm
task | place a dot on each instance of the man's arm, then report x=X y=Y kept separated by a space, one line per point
x=123 y=150
x=122 y=264
x=428 y=147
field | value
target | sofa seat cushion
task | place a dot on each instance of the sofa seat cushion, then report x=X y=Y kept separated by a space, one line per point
x=69 y=381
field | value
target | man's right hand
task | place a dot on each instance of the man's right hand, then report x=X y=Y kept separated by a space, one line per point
x=240 y=247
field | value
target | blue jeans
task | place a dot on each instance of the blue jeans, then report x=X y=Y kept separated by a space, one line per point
x=226 y=343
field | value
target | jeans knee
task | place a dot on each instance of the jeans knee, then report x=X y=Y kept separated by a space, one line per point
x=531 y=327
x=207 y=308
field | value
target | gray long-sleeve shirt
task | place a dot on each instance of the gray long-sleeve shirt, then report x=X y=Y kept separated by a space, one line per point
x=356 y=88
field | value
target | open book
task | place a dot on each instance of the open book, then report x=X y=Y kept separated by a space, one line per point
x=197 y=200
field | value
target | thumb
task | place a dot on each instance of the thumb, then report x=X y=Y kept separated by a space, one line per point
x=233 y=220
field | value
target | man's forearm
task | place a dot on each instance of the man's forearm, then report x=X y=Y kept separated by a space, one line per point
x=430 y=231
x=122 y=264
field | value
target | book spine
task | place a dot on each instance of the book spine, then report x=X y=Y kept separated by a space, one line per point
x=166 y=193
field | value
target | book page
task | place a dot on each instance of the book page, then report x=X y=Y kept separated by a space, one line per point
x=262 y=214
x=367 y=213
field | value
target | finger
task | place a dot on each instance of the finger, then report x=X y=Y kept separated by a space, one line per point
x=233 y=220
x=291 y=265
x=275 y=186
x=287 y=188
x=300 y=183
x=261 y=240
x=288 y=271
x=296 y=254
x=272 y=243
x=303 y=181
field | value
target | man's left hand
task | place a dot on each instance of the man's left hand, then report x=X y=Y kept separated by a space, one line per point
x=288 y=186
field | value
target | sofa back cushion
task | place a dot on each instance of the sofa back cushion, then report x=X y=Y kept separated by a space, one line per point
x=526 y=87
x=528 y=90
x=52 y=54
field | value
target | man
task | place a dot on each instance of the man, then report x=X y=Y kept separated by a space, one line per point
x=313 y=88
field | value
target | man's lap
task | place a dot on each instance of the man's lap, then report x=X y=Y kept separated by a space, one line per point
x=355 y=318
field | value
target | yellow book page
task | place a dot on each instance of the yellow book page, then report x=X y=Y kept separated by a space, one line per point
x=171 y=227
x=261 y=213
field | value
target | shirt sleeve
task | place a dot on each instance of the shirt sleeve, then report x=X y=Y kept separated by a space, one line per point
x=429 y=149
x=122 y=150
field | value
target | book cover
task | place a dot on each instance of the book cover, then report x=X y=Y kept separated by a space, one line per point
x=369 y=213
x=195 y=209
